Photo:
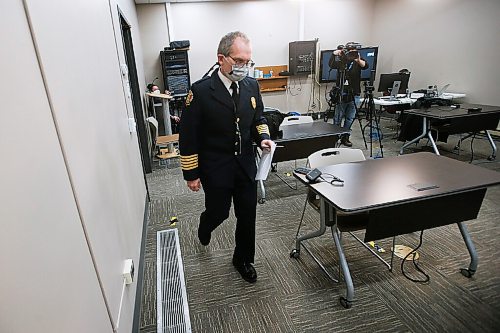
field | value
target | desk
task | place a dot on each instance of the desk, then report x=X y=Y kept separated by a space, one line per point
x=301 y=140
x=457 y=121
x=382 y=188
x=391 y=102
x=403 y=99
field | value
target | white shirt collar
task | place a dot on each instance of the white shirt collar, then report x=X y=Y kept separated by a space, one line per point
x=226 y=82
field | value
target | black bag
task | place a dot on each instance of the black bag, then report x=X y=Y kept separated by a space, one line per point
x=179 y=44
x=427 y=102
x=274 y=119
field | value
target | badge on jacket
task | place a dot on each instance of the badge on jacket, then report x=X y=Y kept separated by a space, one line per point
x=254 y=103
x=189 y=98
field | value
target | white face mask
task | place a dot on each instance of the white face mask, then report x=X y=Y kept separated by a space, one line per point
x=237 y=73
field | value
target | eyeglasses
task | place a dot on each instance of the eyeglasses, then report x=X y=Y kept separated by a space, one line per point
x=241 y=63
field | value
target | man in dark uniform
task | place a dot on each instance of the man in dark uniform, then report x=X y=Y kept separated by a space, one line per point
x=222 y=119
x=347 y=59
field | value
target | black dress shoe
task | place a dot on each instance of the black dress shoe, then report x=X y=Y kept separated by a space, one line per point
x=346 y=142
x=246 y=270
x=204 y=237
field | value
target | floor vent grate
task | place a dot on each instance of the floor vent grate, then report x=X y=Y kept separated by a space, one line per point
x=172 y=305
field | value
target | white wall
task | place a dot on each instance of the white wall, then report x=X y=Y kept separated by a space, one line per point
x=152 y=20
x=47 y=271
x=445 y=41
x=72 y=192
x=271 y=25
x=412 y=34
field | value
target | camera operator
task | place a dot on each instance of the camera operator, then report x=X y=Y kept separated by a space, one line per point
x=347 y=60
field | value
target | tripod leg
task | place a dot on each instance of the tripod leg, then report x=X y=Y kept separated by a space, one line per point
x=378 y=132
x=361 y=125
x=362 y=132
x=357 y=116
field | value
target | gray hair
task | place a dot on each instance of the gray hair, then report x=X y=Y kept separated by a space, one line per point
x=227 y=41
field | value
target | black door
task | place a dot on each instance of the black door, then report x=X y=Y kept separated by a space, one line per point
x=136 y=94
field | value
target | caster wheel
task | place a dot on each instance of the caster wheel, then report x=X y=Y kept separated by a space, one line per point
x=491 y=158
x=262 y=201
x=467 y=272
x=295 y=254
x=345 y=303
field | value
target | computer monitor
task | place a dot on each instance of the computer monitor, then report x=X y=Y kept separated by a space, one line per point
x=327 y=74
x=387 y=81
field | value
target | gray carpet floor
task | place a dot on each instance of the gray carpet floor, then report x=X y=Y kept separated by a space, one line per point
x=294 y=295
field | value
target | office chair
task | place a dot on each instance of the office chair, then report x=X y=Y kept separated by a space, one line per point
x=342 y=222
x=288 y=121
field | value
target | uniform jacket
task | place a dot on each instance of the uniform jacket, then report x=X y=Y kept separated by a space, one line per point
x=209 y=144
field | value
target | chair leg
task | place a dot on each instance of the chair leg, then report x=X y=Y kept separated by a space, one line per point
x=301 y=219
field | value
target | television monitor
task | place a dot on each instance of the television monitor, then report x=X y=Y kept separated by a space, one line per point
x=387 y=80
x=370 y=54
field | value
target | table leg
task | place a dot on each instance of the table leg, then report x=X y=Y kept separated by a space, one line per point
x=493 y=146
x=262 y=198
x=433 y=143
x=468 y=272
x=345 y=301
x=421 y=136
x=322 y=225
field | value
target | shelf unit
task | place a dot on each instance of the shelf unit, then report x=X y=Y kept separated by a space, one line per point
x=275 y=82
x=175 y=68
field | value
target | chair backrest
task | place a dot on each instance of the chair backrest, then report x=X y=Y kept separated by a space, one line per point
x=153 y=131
x=330 y=156
x=153 y=124
x=294 y=120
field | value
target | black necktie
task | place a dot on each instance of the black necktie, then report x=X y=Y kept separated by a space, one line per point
x=235 y=96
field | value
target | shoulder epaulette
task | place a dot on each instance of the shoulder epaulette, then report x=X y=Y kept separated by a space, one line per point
x=201 y=80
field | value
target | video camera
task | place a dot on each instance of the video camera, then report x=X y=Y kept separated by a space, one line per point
x=349 y=52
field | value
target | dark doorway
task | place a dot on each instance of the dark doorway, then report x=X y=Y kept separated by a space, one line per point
x=136 y=94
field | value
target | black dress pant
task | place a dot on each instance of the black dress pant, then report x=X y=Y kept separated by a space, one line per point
x=218 y=205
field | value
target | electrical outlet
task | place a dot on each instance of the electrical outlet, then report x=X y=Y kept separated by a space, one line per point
x=132 y=125
x=128 y=271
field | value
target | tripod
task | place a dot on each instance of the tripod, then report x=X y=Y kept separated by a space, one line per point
x=372 y=117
